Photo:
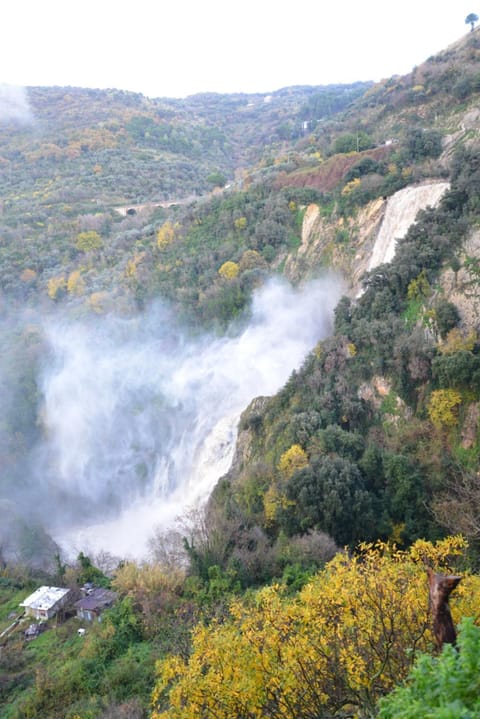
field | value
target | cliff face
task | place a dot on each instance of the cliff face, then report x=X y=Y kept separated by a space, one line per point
x=400 y=213
x=359 y=244
x=462 y=287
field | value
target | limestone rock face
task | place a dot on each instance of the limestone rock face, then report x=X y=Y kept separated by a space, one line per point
x=358 y=244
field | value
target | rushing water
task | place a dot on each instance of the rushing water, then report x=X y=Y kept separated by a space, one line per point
x=401 y=211
x=140 y=422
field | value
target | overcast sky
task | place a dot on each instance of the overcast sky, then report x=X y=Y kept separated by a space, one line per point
x=180 y=47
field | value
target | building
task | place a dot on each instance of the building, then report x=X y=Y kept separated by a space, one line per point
x=95 y=601
x=45 y=602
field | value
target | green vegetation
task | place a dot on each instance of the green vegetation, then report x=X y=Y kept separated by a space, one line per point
x=445 y=686
x=299 y=589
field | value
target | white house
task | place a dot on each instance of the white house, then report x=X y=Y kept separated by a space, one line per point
x=45 y=602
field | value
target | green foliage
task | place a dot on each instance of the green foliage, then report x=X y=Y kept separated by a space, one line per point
x=446 y=317
x=460 y=370
x=217 y=179
x=89 y=573
x=446 y=686
x=366 y=462
x=365 y=166
x=471 y=19
x=330 y=495
x=421 y=144
x=352 y=142
x=330 y=100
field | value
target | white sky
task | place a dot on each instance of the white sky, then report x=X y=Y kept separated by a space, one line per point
x=180 y=47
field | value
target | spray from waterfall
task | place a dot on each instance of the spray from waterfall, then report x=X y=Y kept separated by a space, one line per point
x=402 y=209
x=140 y=422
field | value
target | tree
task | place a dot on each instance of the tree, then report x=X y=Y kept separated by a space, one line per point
x=443 y=407
x=56 y=287
x=330 y=494
x=165 y=235
x=217 y=179
x=471 y=19
x=75 y=283
x=458 y=509
x=421 y=143
x=352 y=142
x=229 y=270
x=292 y=460
x=88 y=241
x=446 y=317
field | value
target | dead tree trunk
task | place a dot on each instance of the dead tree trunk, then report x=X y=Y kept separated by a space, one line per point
x=441 y=586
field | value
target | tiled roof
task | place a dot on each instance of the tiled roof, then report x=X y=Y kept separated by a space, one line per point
x=96 y=599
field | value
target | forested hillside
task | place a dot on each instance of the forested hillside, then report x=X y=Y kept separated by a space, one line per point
x=299 y=589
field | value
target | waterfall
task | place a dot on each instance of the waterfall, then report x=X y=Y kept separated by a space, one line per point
x=401 y=211
x=140 y=422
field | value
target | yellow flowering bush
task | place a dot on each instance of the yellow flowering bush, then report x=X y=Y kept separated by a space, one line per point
x=346 y=639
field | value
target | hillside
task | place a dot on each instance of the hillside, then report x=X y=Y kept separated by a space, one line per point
x=152 y=253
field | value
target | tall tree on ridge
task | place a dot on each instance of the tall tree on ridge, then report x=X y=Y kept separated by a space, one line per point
x=471 y=19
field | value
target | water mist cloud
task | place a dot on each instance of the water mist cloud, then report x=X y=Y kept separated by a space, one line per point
x=14 y=104
x=141 y=422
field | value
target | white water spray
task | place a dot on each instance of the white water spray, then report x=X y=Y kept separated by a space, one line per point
x=140 y=423
x=401 y=211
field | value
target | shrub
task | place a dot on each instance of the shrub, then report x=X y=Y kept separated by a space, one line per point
x=447 y=686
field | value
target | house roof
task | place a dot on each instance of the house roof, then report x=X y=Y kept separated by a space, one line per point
x=44 y=598
x=97 y=600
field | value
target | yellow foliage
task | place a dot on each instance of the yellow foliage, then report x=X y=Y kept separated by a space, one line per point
x=456 y=341
x=229 y=270
x=396 y=533
x=240 y=223
x=89 y=241
x=348 y=637
x=137 y=580
x=292 y=460
x=55 y=286
x=292 y=206
x=165 y=235
x=131 y=270
x=351 y=186
x=318 y=350
x=419 y=288
x=273 y=500
x=97 y=302
x=443 y=407
x=75 y=283
x=351 y=349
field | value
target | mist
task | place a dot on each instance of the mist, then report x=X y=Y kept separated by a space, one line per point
x=139 y=420
x=14 y=104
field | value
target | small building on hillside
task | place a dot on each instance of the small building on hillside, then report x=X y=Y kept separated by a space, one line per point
x=95 y=601
x=45 y=602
